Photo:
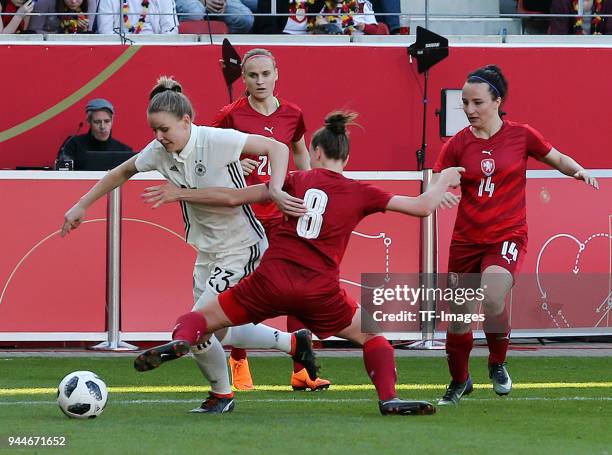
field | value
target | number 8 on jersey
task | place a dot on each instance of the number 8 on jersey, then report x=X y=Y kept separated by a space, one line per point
x=309 y=225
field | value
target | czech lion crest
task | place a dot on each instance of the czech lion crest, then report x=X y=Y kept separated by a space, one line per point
x=487 y=166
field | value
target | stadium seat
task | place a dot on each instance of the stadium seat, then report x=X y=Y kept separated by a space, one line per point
x=533 y=26
x=201 y=28
x=530 y=6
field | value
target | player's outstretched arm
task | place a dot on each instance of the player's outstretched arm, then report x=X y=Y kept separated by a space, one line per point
x=220 y=197
x=430 y=200
x=568 y=166
x=115 y=177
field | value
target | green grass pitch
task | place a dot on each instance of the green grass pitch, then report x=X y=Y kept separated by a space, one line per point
x=571 y=415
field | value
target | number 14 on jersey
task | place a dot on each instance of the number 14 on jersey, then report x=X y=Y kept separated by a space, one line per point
x=486 y=186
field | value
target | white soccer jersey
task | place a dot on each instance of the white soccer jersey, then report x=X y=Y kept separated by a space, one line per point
x=210 y=159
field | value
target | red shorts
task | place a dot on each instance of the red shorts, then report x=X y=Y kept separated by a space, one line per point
x=475 y=258
x=278 y=288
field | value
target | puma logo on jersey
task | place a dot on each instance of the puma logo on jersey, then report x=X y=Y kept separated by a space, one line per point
x=488 y=152
x=174 y=168
x=269 y=130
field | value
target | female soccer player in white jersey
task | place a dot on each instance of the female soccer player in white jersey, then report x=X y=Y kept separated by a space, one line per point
x=490 y=234
x=261 y=112
x=229 y=241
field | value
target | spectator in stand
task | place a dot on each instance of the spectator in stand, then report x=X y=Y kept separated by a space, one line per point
x=146 y=17
x=79 y=22
x=18 y=22
x=298 y=23
x=595 y=25
x=100 y=115
x=237 y=15
x=388 y=7
x=347 y=17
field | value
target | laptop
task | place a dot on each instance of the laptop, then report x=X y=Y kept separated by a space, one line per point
x=102 y=160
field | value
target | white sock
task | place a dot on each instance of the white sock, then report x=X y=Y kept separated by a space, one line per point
x=210 y=358
x=257 y=337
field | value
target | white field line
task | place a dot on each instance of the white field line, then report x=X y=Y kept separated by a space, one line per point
x=314 y=400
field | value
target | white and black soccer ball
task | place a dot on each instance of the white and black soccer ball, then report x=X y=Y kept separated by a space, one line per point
x=82 y=395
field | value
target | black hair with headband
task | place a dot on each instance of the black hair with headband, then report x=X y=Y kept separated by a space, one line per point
x=493 y=77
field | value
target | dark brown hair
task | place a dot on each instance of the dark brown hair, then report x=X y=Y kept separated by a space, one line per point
x=333 y=137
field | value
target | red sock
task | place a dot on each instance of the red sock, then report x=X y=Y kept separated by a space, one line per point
x=222 y=395
x=497 y=331
x=498 y=346
x=499 y=323
x=189 y=327
x=380 y=365
x=294 y=325
x=238 y=354
x=458 y=348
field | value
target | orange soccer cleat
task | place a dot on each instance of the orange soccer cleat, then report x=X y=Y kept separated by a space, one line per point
x=301 y=381
x=241 y=375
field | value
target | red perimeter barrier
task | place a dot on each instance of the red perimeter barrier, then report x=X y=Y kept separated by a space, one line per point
x=49 y=284
x=546 y=91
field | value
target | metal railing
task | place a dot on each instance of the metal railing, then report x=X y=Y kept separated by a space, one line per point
x=412 y=15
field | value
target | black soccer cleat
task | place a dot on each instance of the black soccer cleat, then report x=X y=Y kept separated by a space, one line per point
x=455 y=391
x=502 y=384
x=406 y=408
x=304 y=353
x=154 y=357
x=215 y=405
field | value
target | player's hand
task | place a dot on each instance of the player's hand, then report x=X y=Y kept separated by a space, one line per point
x=289 y=205
x=584 y=175
x=452 y=175
x=162 y=194
x=248 y=166
x=449 y=200
x=72 y=219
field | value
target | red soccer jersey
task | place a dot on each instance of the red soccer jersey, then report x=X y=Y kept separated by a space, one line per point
x=285 y=124
x=492 y=207
x=336 y=204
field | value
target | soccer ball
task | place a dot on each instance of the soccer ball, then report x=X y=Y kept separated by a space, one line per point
x=82 y=395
